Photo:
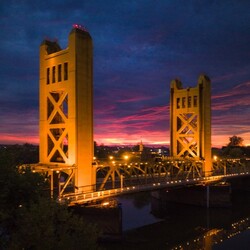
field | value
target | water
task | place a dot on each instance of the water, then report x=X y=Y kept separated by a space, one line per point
x=182 y=226
x=136 y=211
x=241 y=242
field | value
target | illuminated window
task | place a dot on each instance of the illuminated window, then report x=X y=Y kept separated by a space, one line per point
x=183 y=102
x=48 y=73
x=53 y=74
x=195 y=101
x=178 y=103
x=189 y=101
x=65 y=71
x=59 y=72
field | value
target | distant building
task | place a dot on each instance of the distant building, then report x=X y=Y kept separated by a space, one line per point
x=141 y=147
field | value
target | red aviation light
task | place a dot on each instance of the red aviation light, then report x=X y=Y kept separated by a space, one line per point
x=80 y=27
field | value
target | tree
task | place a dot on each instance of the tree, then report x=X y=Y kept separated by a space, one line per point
x=235 y=152
x=49 y=225
x=18 y=188
x=13 y=155
x=29 y=219
x=235 y=141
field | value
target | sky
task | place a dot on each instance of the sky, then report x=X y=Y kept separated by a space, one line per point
x=140 y=46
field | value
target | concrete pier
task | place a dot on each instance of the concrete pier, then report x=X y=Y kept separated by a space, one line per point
x=108 y=219
x=213 y=195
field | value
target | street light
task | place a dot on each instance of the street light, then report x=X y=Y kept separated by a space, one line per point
x=126 y=157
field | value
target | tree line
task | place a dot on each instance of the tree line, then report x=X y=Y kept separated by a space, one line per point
x=29 y=219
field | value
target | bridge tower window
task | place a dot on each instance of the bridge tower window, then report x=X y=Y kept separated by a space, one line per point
x=178 y=103
x=195 y=101
x=183 y=102
x=53 y=74
x=48 y=75
x=189 y=101
x=65 y=71
x=59 y=72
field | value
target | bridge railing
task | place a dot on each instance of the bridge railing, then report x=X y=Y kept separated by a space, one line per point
x=230 y=166
x=85 y=197
x=101 y=194
x=144 y=172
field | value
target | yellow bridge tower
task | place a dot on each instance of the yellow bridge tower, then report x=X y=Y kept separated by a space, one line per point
x=66 y=108
x=190 y=122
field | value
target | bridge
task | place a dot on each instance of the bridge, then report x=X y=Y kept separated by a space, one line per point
x=66 y=133
x=118 y=178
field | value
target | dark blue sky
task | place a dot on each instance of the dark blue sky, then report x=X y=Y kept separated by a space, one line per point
x=139 y=47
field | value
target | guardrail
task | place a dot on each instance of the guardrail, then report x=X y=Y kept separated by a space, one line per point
x=85 y=197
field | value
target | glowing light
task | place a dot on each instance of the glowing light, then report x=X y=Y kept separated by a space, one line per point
x=106 y=203
x=126 y=157
x=80 y=27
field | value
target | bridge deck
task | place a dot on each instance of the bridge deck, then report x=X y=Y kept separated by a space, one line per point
x=87 y=197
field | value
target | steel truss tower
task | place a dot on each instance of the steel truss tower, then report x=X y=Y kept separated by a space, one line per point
x=66 y=108
x=190 y=122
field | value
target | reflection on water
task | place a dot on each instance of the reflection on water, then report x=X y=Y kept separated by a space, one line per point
x=181 y=226
x=240 y=241
x=136 y=211
x=214 y=237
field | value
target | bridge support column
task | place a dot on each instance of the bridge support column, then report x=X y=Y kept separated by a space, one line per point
x=51 y=184
x=190 y=122
x=66 y=107
x=199 y=195
x=208 y=198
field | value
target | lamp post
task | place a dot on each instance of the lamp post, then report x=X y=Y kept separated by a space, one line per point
x=122 y=181
x=112 y=167
x=126 y=157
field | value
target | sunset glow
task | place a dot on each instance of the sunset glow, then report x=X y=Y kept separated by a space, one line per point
x=139 y=48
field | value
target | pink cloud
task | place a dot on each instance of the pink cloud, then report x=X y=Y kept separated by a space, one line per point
x=18 y=139
x=149 y=124
x=231 y=114
x=229 y=76
x=237 y=90
x=134 y=99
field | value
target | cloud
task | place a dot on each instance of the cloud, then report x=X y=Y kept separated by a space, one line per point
x=231 y=114
x=234 y=99
x=139 y=47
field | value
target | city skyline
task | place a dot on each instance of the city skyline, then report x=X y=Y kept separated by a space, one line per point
x=139 y=48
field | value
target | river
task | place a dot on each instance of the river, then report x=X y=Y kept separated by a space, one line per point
x=183 y=226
